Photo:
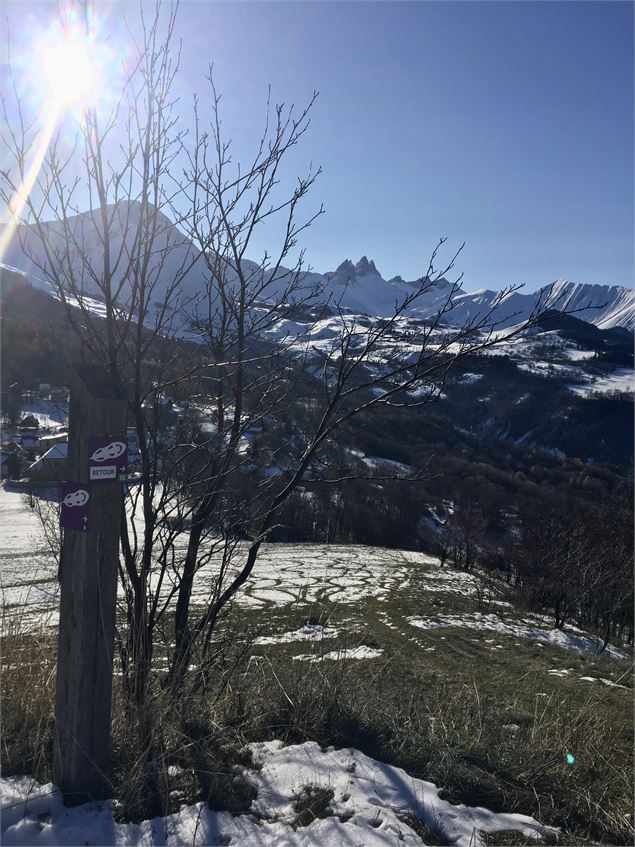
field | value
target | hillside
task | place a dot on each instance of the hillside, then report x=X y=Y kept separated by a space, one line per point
x=355 y=287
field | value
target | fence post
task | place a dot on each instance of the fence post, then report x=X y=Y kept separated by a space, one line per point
x=89 y=563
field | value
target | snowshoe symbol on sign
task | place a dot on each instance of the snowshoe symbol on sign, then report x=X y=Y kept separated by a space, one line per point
x=75 y=511
x=76 y=498
x=108 y=451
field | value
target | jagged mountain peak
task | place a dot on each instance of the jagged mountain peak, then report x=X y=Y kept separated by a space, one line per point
x=346 y=267
x=357 y=287
x=365 y=267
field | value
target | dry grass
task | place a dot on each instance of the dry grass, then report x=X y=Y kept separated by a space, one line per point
x=27 y=696
x=481 y=730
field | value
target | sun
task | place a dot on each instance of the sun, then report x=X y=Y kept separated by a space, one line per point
x=69 y=66
x=61 y=74
x=70 y=71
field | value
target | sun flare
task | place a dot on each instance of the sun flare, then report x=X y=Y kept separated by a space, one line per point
x=62 y=74
x=70 y=70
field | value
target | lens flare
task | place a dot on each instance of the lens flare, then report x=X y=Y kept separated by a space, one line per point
x=62 y=71
x=70 y=70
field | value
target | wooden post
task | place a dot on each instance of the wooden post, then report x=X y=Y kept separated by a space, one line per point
x=88 y=599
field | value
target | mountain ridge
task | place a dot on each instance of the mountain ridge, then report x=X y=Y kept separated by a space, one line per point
x=355 y=287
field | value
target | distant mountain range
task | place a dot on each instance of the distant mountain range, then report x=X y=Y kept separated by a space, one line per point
x=355 y=287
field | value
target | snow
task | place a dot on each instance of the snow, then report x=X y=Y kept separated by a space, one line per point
x=49 y=415
x=285 y=574
x=361 y=652
x=355 y=288
x=608 y=682
x=577 y=355
x=605 y=306
x=586 y=644
x=308 y=632
x=388 y=465
x=621 y=379
x=370 y=802
x=28 y=584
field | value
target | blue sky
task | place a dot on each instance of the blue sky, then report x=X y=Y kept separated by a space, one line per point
x=507 y=125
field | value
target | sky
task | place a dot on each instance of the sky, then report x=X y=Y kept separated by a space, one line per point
x=504 y=125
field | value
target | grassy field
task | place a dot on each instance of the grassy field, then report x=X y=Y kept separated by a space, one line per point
x=490 y=717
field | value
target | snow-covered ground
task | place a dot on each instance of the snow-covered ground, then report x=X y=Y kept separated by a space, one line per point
x=372 y=804
x=570 y=639
x=308 y=632
x=48 y=414
x=621 y=379
x=361 y=652
x=28 y=585
x=285 y=575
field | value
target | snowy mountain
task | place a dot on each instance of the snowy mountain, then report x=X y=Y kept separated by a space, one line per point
x=357 y=288
x=173 y=253
x=361 y=288
x=612 y=305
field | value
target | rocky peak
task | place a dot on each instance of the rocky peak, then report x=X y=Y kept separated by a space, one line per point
x=364 y=267
x=347 y=268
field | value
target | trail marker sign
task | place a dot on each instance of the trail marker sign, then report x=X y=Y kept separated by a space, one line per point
x=107 y=458
x=75 y=512
x=88 y=586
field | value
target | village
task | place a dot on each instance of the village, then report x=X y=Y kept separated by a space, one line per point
x=34 y=447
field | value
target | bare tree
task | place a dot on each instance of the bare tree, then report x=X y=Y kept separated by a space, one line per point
x=237 y=351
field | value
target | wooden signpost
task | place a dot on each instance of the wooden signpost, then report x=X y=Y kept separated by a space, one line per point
x=91 y=515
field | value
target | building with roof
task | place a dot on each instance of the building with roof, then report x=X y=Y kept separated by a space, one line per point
x=52 y=465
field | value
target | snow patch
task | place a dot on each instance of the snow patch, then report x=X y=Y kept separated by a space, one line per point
x=361 y=652
x=308 y=632
x=370 y=800
x=586 y=644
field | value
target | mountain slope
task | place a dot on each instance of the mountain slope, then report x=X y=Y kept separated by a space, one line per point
x=356 y=288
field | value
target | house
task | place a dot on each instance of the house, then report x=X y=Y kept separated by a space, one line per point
x=47 y=441
x=29 y=422
x=52 y=465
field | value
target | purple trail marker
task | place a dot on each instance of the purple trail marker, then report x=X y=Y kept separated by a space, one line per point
x=75 y=513
x=107 y=458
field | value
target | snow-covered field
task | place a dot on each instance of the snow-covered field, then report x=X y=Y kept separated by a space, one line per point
x=621 y=379
x=28 y=584
x=372 y=805
x=286 y=575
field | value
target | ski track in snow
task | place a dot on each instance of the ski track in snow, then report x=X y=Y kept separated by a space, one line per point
x=286 y=574
x=369 y=800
